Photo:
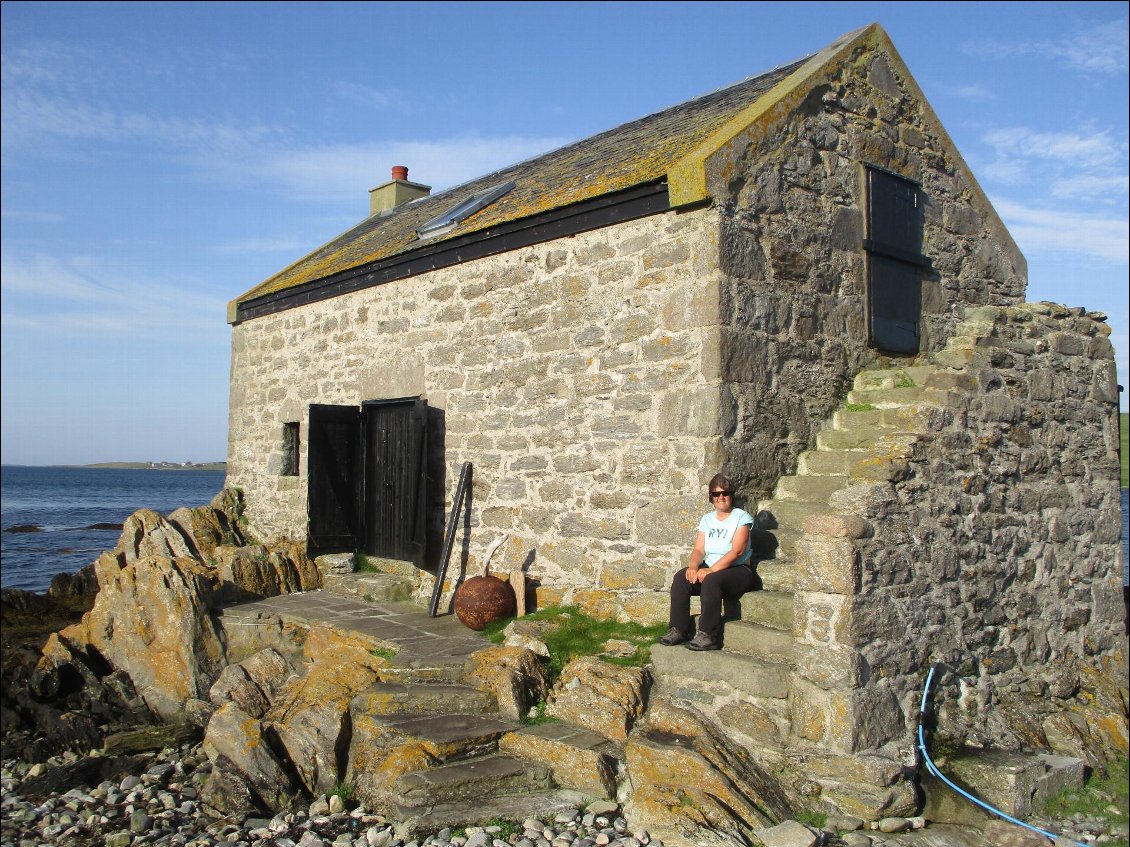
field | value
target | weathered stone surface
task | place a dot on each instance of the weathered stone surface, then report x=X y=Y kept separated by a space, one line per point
x=514 y=675
x=605 y=698
x=692 y=785
x=233 y=685
x=145 y=533
x=235 y=745
x=787 y=834
x=579 y=758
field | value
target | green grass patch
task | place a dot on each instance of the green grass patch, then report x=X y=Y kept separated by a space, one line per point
x=574 y=634
x=816 y=820
x=904 y=380
x=860 y=407
x=346 y=792
x=362 y=564
x=1123 y=425
x=538 y=717
x=382 y=652
x=505 y=828
x=1103 y=796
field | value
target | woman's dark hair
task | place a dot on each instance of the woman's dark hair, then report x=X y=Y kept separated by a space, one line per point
x=720 y=479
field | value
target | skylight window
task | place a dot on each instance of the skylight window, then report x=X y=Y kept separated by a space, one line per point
x=447 y=221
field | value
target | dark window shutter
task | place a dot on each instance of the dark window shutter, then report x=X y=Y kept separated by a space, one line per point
x=895 y=224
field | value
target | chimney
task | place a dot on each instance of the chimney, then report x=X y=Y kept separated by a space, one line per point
x=396 y=191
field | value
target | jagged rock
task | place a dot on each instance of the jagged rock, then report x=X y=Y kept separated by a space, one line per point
x=151 y=619
x=865 y=786
x=692 y=785
x=602 y=697
x=249 y=573
x=580 y=759
x=205 y=528
x=235 y=686
x=151 y=739
x=514 y=675
x=788 y=834
x=528 y=634
x=268 y=670
x=308 y=715
x=145 y=533
x=236 y=746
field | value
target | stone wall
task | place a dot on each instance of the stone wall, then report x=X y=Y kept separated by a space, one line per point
x=995 y=551
x=580 y=377
x=793 y=206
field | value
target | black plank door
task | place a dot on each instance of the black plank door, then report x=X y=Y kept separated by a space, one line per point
x=334 y=493
x=395 y=487
x=895 y=230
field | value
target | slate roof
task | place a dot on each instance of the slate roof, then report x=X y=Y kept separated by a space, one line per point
x=632 y=154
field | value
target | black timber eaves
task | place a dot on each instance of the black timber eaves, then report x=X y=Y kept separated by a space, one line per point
x=636 y=202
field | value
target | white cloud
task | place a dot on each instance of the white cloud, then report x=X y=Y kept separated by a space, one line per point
x=973 y=91
x=1101 y=48
x=1103 y=189
x=1094 y=149
x=345 y=171
x=50 y=296
x=1037 y=230
x=367 y=95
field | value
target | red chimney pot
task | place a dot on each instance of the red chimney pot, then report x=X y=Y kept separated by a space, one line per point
x=400 y=172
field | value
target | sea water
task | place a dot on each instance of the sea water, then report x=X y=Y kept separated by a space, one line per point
x=64 y=503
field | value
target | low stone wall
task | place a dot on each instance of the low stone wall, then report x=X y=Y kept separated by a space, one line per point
x=997 y=551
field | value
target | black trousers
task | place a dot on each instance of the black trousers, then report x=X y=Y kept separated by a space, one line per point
x=734 y=581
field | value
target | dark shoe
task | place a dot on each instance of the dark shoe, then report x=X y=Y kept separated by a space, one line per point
x=702 y=641
x=674 y=636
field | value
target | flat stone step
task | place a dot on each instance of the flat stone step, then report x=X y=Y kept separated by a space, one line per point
x=398 y=698
x=753 y=676
x=773 y=609
x=369 y=586
x=915 y=375
x=762 y=642
x=826 y=462
x=777 y=574
x=449 y=736
x=790 y=514
x=810 y=488
x=578 y=758
x=848 y=439
x=542 y=805
x=889 y=397
x=474 y=779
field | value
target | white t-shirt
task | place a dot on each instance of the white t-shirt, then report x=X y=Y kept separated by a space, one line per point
x=719 y=536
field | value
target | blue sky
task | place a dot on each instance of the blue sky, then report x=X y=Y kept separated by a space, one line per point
x=160 y=159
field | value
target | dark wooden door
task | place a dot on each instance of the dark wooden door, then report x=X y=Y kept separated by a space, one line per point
x=395 y=487
x=334 y=485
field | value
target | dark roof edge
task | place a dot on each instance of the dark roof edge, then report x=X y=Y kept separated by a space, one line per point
x=650 y=198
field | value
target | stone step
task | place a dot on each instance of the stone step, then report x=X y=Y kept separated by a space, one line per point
x=772 y=609
x=777 y=574
x=517 y=807
x=762 y=642
x=772 y=543
x=398 y=698
x=471 y=780
x=860 y=438
x=578 y=758
x=747 y=674
x=826 y=462
x=890 y=397
x=789 y=515
x=810 y=488
x=369 y=586
x=448 y=736
x=909 y=376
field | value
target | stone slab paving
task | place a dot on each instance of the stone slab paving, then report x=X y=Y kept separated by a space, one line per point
x=421 y=640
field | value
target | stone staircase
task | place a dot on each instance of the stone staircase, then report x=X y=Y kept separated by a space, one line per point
x=477 y=764
x=885 y=407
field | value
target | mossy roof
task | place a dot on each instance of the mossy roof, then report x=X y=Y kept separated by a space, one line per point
x=634 y=153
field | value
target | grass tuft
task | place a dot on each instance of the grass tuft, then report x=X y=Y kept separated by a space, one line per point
x=1103 y=796
x=574 y=634
x=860 y=407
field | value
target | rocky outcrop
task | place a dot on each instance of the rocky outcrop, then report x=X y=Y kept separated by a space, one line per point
x=152 y=619
x=690 y=784
x=514 y=675
x=606 y=698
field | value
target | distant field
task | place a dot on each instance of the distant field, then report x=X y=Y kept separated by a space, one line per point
x=161 y=466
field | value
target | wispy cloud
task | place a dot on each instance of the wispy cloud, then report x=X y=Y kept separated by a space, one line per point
x=1101 y=48
x=366 y=95
x=1040 y=229
x=972 y=91
x=32 y=216
x=81 y=297
x=1096 y=189
x=342 y=171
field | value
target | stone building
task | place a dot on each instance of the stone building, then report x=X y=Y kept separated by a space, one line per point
x=599 y=329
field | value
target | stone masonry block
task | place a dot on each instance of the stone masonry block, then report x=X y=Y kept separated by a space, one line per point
x=669 y=520
x=693 y=412
x=829 y=666
x=823 y=618
x=828 y=565
x=837 y=526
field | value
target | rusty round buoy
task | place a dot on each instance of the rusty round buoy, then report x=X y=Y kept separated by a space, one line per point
x=483 y=599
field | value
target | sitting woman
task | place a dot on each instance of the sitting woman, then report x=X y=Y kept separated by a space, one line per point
x=719 y=568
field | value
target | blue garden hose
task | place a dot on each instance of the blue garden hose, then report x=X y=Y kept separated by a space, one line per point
x=932 y=768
